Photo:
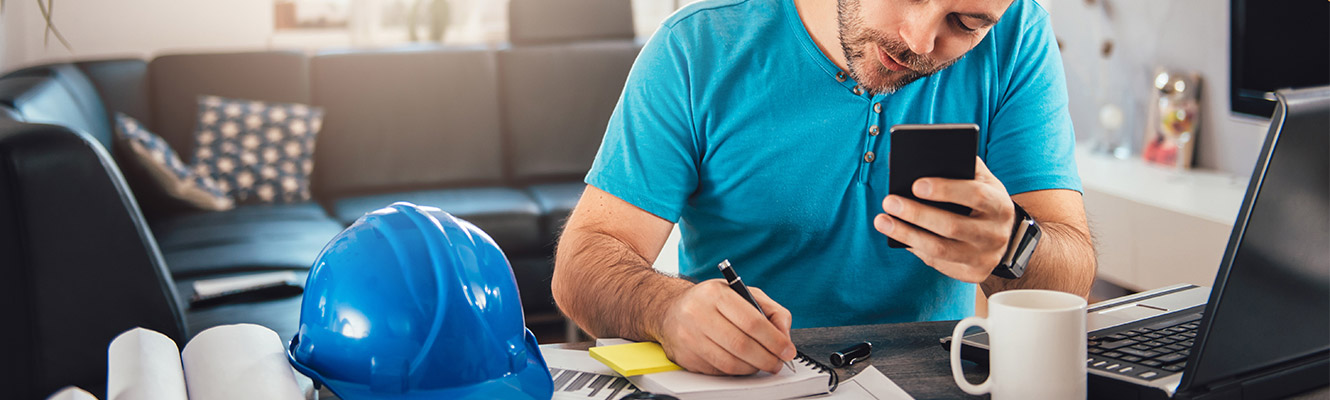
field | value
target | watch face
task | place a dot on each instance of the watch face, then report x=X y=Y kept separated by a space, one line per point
x=1026 y=249
x=1025 y=236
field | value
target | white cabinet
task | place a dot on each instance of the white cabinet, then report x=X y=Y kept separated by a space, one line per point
x=1156 y=226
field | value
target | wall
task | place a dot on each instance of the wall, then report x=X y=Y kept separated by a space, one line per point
x=136 y=28
x=143 y=28
x=1184 y=34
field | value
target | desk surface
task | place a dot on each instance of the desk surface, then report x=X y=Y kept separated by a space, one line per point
x=907 y=353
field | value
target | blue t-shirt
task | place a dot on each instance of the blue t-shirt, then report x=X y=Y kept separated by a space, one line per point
x=733 y=124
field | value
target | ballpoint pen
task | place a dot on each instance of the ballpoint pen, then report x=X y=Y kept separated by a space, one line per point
x=737 y=284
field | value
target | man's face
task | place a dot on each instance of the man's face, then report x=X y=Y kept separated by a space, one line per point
x=890 y=43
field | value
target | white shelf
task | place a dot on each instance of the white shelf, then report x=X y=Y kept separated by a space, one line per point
x=1205 y=194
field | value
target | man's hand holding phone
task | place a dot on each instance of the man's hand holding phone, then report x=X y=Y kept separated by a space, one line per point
x=964 y=247
x=944 y=203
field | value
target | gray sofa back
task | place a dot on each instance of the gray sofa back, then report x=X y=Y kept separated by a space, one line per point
x=121 y=85
x=561 y=79
x=406 y=120
x=395 y=120
x=557 y=100
x=176 y=81
x=429 y=118
x=565 y=21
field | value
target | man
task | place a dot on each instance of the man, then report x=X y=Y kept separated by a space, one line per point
x=757 y=125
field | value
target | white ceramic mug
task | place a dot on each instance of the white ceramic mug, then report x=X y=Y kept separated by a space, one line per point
x=1036 y=346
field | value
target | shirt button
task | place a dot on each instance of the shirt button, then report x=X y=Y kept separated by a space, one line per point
x=840 y=76
x=872 y=130
x=877 y=108
x=869 y=157
x=858 y=90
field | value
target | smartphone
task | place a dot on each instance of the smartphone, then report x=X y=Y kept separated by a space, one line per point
x=933 y=150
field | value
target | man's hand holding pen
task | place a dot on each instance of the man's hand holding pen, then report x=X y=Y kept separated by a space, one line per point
x=711 y=329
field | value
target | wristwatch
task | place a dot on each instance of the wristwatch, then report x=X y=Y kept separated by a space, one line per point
x=1024 y=237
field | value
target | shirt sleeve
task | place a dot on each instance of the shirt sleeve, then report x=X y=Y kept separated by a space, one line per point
x=1031 y=144
x=649 y=155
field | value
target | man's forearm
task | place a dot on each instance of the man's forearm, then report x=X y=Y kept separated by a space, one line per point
x=609 y=289
x=1064 y=261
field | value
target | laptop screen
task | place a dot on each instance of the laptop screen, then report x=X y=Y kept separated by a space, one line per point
x=1271 y=300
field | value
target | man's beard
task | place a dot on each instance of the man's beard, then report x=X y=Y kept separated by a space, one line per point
x=861 y=57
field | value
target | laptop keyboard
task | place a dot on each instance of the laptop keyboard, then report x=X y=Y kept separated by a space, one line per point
x=1149 y=352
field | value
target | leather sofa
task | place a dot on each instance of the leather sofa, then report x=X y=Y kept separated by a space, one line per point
x=79 y=263
x=501 y=137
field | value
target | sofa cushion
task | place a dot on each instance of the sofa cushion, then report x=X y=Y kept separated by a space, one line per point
x=545 y=21
x=557 y=102
x=176 y=82
x=507 y=215
x=121 y=84
x=170 y=174
x=252 y=237
x=556 y=201
x=258 y=152
x=406 y=120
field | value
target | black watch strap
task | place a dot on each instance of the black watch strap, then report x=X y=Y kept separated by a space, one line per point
x=1025 y=235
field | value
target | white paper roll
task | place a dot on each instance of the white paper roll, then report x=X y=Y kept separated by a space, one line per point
x=143 y=364
x=242 y=361
x=71 y=393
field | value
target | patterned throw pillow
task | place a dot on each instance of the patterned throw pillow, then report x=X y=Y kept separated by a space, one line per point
x=258 y=152
x=164 y=166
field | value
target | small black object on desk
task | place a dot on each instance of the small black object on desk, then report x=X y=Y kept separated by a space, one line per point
x=648 y=396
x=850 y=355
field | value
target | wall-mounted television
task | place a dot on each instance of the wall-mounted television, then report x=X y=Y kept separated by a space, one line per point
x=1276 y=44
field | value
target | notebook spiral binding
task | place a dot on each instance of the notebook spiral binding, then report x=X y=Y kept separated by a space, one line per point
x=833 y=382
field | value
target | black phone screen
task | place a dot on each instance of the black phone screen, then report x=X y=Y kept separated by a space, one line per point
x=942 y=150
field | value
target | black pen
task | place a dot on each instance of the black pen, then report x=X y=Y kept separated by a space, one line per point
x=737 y=284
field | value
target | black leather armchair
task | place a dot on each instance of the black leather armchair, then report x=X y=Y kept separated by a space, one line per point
x=78 y=266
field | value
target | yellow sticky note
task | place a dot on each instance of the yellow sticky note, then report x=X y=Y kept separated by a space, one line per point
x=634 y=358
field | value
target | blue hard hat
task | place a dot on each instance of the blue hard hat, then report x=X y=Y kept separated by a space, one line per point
x=410 y=302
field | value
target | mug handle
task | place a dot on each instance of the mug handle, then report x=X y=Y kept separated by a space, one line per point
x=956 y=335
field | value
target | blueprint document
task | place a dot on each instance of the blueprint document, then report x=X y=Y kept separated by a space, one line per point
x=577 y=376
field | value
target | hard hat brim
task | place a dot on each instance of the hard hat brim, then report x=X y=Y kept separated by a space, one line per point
x=533 y=381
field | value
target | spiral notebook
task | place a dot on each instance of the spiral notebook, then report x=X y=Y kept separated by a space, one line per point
x=809 y=377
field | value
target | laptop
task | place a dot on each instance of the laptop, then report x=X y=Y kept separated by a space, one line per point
x=1263 y=330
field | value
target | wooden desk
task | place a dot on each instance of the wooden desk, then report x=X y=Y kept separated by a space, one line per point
x=907 y=353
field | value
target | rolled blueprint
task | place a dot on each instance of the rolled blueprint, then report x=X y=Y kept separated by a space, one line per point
x=242 y=361
x=71 y=393
x=143 y=364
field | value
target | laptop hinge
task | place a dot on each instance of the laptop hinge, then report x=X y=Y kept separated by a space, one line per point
x=1291 y=378
x=1229 y=389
